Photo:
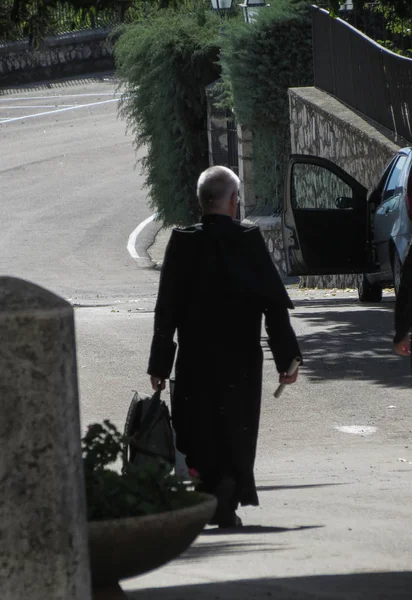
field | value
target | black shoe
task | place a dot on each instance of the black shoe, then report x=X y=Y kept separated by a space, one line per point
x=225 y=493
x=230 y=521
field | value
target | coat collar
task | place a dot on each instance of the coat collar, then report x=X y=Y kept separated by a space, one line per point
x=213 y=218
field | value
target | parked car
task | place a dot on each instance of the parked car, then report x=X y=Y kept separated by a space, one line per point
x=331 y=224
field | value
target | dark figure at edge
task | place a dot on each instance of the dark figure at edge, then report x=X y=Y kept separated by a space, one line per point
x=217 y=281
x=403 y=309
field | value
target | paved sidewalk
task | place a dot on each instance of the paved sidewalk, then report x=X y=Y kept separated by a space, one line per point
x=309 y=540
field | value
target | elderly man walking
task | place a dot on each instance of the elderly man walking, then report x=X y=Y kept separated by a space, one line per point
x=216 y=283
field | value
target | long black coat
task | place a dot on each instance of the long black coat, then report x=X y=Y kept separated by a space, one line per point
x=403 y=306
x=216 y=283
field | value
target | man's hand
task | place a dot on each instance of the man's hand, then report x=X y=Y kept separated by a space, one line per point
x=156 y=382
x=287 y=379
x=402 y=348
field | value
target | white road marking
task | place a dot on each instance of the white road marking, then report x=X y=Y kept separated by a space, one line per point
x=59 y=110
x=10 y=98
x=131 y=244
x=35 y=106
x=357 y=429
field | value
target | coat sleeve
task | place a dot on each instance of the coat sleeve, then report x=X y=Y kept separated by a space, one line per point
x=163 y=347
x=276 y=302
x=403 y=305
x=281 y=337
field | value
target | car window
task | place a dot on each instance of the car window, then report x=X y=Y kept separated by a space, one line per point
x=314 y=186
x=394 y=185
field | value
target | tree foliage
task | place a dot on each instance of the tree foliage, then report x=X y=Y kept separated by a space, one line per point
x=389 y=22
x=165 y=63
x=35 y=18
x=401 y=9
x=260 y=62
x=5 y=22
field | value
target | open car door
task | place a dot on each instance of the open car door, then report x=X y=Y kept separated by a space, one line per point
x=324 y=220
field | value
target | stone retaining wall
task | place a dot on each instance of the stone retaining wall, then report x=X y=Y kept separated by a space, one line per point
x=59 y=56
x=321 y=126
x=271 y=228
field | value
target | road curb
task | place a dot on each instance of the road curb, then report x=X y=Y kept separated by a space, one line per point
x=157 y=249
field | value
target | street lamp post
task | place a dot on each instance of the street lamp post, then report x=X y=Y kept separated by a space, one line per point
x=250 y=8
x=221 y=6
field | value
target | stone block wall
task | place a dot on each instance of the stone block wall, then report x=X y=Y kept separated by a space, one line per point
x=60 y=56
x=321 y=126
x=271 y=228
x=247 y=187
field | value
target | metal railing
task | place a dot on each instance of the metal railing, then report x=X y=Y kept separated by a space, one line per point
x=361 y=73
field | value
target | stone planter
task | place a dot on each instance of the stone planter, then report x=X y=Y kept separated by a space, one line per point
x=123 y=548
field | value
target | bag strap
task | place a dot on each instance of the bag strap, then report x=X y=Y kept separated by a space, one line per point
x=151 y=411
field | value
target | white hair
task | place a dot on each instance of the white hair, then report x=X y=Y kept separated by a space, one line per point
x=215 y=187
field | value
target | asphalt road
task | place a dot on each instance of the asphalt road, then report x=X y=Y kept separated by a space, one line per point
x=334 y=461
x=70 y=194
x=71 y=198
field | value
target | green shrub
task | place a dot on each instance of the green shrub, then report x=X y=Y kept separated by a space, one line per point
x=5 y=20
x=165 y=63
x=135 y=492
x=259 y=63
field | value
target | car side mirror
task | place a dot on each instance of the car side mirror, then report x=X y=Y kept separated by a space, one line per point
x=345 y=202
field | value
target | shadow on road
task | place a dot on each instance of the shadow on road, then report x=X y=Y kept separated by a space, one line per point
x=256 y=529
x=346 y=340
x=364 y=586
x=64 y=82
x=226 y=546
x=271 y=488
x=199 y=552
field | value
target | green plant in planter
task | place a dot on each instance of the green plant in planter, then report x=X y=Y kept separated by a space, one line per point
x=136 y=492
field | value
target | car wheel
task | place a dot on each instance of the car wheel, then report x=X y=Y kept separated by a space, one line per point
x=368 y=292
x=397 y=271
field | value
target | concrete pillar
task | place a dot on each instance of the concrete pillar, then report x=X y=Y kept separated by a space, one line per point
x=247 y=188
x=43 y=536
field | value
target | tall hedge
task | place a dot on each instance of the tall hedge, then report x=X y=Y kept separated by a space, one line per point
x=165 y=64
x=260 y=62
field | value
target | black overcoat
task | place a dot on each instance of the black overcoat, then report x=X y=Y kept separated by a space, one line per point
x=217 y=281
x=403 y=305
